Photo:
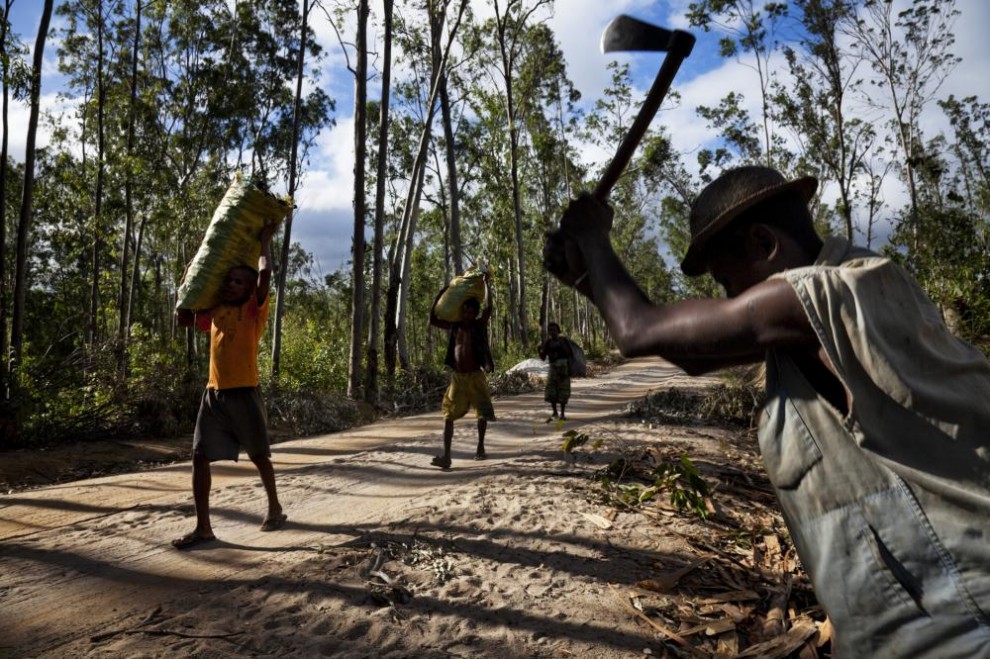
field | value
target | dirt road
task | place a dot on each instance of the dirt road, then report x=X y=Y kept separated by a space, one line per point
x=83 y=565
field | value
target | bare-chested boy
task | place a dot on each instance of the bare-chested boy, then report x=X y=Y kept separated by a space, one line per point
x=468 y=356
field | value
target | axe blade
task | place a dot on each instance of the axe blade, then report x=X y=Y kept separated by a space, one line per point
x=626 y=33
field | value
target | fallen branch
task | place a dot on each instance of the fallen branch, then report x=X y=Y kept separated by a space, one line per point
x=672 y=635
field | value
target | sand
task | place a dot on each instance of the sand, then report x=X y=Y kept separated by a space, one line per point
x=386 y=556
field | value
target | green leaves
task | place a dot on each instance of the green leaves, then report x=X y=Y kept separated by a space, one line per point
x=626 y=482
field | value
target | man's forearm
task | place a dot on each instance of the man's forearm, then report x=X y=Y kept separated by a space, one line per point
x=612 y=289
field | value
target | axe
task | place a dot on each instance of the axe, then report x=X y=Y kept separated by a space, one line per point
x=626 y=33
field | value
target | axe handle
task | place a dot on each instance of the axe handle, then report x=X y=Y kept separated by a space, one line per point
x=671 y=62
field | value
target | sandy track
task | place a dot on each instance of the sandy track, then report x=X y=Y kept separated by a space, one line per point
x=79 y=559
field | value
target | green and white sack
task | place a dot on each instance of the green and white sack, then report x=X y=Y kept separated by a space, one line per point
x=461 y=288
x=231 y=240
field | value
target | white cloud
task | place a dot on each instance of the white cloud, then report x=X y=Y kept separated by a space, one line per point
x=324 y=219
x=329 y=183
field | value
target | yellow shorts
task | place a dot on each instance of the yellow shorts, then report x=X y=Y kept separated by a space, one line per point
x=468 y=390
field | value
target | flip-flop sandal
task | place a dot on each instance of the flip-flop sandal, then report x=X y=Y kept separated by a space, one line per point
x=191 y=540
x=274 y=523
x=440 y=461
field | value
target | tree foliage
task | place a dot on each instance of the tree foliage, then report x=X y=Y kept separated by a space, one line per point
x=475 y=146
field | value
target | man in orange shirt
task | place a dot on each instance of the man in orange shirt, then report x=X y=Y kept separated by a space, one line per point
x=232 y=413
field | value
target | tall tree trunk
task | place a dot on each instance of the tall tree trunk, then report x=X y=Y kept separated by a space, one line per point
x=293 y=165
x=4 y=143
x=509 y=34
x=395 y=326
x=360 y=151
x=451 y=152
x=24 y=222
x=123 y=301
x=374 y=331
x=403 y=302
x=97 y=250
x=135 y=270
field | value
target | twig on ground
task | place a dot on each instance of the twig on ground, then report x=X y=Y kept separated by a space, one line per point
x=672 y=635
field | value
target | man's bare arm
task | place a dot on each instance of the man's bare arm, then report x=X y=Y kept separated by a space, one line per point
x=696 y=335
x=486 y=313
x=264 y=263
x=435 y=320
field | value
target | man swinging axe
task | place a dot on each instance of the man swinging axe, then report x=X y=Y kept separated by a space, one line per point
x=875 y=430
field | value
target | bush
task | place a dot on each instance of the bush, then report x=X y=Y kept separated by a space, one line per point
x=301 y=412
x=510 y=384
x=83 y=395
x=735 y=402
x=414 y=391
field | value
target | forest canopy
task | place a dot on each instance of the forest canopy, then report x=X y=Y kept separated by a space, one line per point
x=469 y=141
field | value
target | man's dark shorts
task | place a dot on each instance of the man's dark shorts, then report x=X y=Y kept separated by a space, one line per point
x=230 y=420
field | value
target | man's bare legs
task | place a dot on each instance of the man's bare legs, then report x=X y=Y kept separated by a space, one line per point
x=482 y=427
x=202 y=480
x=443 y=461
x=275 y=518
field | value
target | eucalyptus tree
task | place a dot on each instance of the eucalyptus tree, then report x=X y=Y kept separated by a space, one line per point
x=86 y=55
x=748 y=27
x=455 y=84
x=443 y=31
x=125 y=299
x=24 y=222
x=820 y=106
x=739 y=133
x=965 y=178
x=605 y=125
x=655 y=174
x=293 y=167
x=224 y=84
x=378 y=244
x=16 y=78
x=549 y=163
x=359 y=70
x=909 y=50
x=511 y=24
x=970 y=121
x=952 y=267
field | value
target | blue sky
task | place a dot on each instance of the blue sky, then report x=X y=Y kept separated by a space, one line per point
x=324 y=220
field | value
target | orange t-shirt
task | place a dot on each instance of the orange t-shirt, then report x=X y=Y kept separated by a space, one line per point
x=235 y=334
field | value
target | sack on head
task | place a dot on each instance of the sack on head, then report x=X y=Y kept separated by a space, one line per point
x=231 y=240
x=461 y=288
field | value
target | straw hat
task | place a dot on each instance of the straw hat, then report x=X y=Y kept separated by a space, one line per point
x=727 y=197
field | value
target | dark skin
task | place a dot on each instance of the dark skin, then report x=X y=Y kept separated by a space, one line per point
x=700 y=335
x=464 y=358
x=237 y=288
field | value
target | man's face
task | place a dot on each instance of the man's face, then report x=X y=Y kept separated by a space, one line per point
x=237 y=286
x=742 y=259
x=468 y=311
x=733 y=273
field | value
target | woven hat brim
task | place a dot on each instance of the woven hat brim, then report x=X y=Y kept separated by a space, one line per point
x=693 y=264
